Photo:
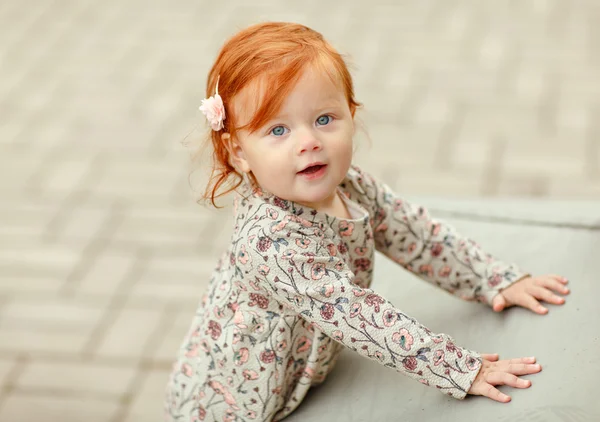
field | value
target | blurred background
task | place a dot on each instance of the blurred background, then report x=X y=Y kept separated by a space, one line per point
x=104 y=252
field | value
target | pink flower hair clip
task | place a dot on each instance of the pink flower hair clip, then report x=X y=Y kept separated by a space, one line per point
x=214 y=110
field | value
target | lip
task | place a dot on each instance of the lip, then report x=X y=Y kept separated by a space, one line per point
x=316 y=163
x=316 y=175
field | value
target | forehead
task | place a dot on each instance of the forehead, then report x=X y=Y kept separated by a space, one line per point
x=314 y=87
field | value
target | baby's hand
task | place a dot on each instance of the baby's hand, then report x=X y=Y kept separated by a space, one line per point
x=502 y=372
x=527 y=291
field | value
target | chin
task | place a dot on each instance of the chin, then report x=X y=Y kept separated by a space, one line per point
x=316 y=197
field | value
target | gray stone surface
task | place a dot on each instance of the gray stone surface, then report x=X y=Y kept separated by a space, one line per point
x=103 y=250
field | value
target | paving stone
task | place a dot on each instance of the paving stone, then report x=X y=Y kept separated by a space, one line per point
x=148 y=403
x=49 y=312
x=6 y=365
x=23 y=221
x=76 y=377
x=572 y=188
x=108 y=270
x=24 y=286
x=171 y=341
x=445 y=185
x=83 y=223
x=51 y=256
x=170 y=290
x=128 y=334
x=148 y=230
x=67 y=174
x=30 y=407
x=38 y=342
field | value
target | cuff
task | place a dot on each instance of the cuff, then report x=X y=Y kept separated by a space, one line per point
x=466 y=379
x=499 y=281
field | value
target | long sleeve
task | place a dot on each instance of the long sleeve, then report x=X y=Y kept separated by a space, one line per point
x=306 y=275
x=431 y=249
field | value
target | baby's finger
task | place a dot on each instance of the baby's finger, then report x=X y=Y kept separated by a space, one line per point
x=503 y=378
x=518 y=368
x=545 y=295
x=552 y=283
x=495 y=394
x=492 y=357
x=559 y=278
x=531 y=303
x=517 y=360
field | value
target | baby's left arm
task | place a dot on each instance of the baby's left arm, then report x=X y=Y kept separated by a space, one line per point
x=434 y=251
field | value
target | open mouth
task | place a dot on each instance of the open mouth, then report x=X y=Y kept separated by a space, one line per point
x=312 y=169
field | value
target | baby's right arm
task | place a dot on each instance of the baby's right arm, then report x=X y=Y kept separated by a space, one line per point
x=317 y=285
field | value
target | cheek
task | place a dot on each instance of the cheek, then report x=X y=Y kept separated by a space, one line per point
x=344 y=152
x=344 y=144
x=269 y=165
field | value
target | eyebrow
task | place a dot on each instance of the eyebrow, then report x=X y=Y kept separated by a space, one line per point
x=330 y=103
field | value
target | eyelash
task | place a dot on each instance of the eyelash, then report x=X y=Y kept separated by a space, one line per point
x=331 y=118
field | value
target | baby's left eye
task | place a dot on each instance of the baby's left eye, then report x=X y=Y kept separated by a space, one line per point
x=323 y=120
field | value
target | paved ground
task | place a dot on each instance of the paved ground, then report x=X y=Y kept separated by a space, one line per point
x=103 y=251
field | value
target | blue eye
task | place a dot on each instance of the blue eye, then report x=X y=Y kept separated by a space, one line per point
x=278 y=130
x=324 y=119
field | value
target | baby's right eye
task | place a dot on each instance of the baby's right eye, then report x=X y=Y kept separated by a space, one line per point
x=278 y=131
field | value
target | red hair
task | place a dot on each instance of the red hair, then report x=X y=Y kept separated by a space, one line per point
x=274 y=53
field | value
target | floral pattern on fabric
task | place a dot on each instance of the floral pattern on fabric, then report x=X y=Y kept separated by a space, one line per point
x=292 y=291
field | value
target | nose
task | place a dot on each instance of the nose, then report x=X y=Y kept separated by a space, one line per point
x=308 y=142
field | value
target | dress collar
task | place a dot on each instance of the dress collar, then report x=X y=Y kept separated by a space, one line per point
x=247 y=196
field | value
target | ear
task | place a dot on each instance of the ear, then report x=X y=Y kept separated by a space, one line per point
x=236 y=152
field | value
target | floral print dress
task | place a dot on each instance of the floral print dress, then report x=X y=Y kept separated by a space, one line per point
x=292 y=291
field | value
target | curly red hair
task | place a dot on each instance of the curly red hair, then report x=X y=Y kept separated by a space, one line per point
x=276 y=53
